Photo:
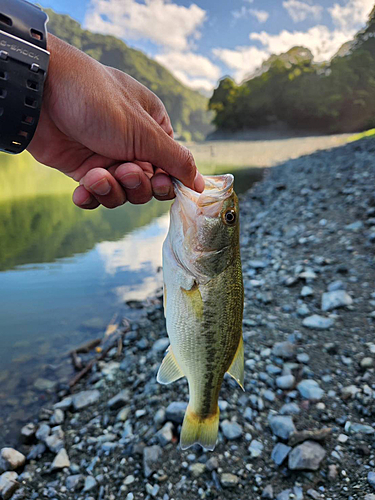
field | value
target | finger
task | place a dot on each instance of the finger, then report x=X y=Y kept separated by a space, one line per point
x=162 y=186
x=162 y=151
x=83 y=199
x=104 y=187
x=135 y=183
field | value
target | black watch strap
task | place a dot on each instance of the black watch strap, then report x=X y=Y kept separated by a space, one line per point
x=23 y=68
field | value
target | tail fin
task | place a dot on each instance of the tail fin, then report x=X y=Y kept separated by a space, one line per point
x=196 y=430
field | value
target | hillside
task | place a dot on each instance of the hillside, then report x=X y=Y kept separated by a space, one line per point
x=292 y=91
x=187 y=108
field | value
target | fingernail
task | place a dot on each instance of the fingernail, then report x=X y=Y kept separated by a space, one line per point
x=130 y=181
x=199 y=183
x=87 y=201
x=161 y=191
x=101 y=187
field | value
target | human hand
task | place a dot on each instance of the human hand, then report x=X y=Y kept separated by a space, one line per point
x=108 y=132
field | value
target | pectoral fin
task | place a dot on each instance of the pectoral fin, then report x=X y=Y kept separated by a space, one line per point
x=169 y=370
x=236 y=369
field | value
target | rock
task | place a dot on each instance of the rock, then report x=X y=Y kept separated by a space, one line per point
x=64 y=404
x=371 y=479
x=306 y=456
x=332 y=472
x=255 y=448
x=369 y=496
x=248 y=415
x=90 y=484
x=296 y=494
x=151 y=459
x=176 y=411
x=354 y=226
x=43 y=432
x=231 y=430
x=309 y=389
x=279 y=453
x=197 y=469
x=161 y=345
x=267 y=493
x=36 y=451
x=335 y=299
x=314 y=435
x=43 y=384
x=74 y=482
x=61 y=460
x=349 y=391
x=57 y=417
x=313 y=494
x=8 y=484
x=120 y=400
x=11 y=459
x=317 y=322
x=342 y=438
x=303 y=358
x=84 y=399
x=28 y=433
x=307 y=291
x=228 y=480
x=290 y=409
x=129 y=480
x=303 y=311
x=282 y=426
x=285 y=381
x=165 y=434
x=212 y=464
x=123 y=414
x=55 y=443
x=336 y=285
x=284 y=350
x=367 y=363
x=357 y=428
x=257 y=264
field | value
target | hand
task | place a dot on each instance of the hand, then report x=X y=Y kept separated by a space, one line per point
x=108 y=132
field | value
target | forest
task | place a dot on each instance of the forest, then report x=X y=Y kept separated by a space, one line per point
x=292 y=91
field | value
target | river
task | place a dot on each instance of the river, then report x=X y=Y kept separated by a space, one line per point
x=65 y=272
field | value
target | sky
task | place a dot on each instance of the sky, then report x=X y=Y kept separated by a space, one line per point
x=203 y=40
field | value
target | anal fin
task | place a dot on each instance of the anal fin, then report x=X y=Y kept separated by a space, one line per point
x=236 y=369
x=169 y=370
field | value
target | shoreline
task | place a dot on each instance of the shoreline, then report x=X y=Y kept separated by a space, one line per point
x=305 y=424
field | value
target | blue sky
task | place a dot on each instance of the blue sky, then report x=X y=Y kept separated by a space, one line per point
x=202 y=40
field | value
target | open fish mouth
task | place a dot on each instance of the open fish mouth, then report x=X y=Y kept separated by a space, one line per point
x=217 y=189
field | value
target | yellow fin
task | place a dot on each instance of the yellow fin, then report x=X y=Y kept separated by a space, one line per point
x=236 y=369
x=197 y=430
x=169 y=370
x=195 y=297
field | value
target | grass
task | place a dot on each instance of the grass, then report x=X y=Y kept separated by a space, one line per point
x=362 y=135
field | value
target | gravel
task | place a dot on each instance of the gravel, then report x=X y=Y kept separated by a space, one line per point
x=305 y=424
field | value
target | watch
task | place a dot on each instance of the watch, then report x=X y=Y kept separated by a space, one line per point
x=23 y=69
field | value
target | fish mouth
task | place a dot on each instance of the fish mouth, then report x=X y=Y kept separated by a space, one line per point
x=217 y=189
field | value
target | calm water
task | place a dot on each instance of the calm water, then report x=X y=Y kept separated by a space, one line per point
x=64 y=273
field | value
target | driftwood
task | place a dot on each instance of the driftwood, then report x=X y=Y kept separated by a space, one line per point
x=112 y=337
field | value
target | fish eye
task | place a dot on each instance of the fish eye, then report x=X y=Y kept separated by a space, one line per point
x=230 y=217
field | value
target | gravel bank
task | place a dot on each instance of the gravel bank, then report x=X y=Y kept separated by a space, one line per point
x=304 y=428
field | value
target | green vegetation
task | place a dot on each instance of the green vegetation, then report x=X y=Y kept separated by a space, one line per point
x=363 y=135
x=295 y=92
x=187 y=108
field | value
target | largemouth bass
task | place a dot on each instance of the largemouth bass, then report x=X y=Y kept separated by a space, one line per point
x=203 y=302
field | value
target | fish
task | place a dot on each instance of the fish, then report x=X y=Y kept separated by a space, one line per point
x=203 y=302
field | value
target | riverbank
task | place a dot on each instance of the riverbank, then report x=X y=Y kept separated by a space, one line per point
x=304 y=426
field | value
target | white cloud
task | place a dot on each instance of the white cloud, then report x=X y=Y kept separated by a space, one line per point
x=192 y=69
x=242 y=12
x=352 y=15
x=299 y=11
x=242 y=60
x=261 y=15
x=161 y=21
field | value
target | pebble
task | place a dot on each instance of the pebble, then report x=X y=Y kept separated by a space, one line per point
x=151 y=459
x=231 y=430
x=212 y=463
x=317 y=322
x=289 y=494
x=255 y=448
x=332 y=472
x=11 y=459
x=342 y=438
x=229 y=480
x=84 y=399
x=43 y=432
x=267 y=493
x=123 y=414
x=8 y=484
x=61 y=460
x=336 y=285
x=90 y=484
x=280 y=452
x=285 y=381
x=197 y=469
x=303 y=358
x=43 y=384
x=289 y=409
x=284 y=350
x=28 y=433
x=58 y=417
x=165 y=434
x=310 y=389
x=335 y=299
x=313 y=494
x=307 y=291
x=367 y=363
x=175 y=412
x=64 y=404
x=73 y=482
x=161 y=345
x=371 y=479
x=303 y=311
x=282 y=426
x=306 y=456
x=120 y=400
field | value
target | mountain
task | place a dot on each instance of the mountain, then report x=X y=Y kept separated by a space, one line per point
x=290 y=91
x=187 y=108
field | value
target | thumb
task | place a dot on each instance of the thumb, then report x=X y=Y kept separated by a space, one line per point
x=158 y=148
